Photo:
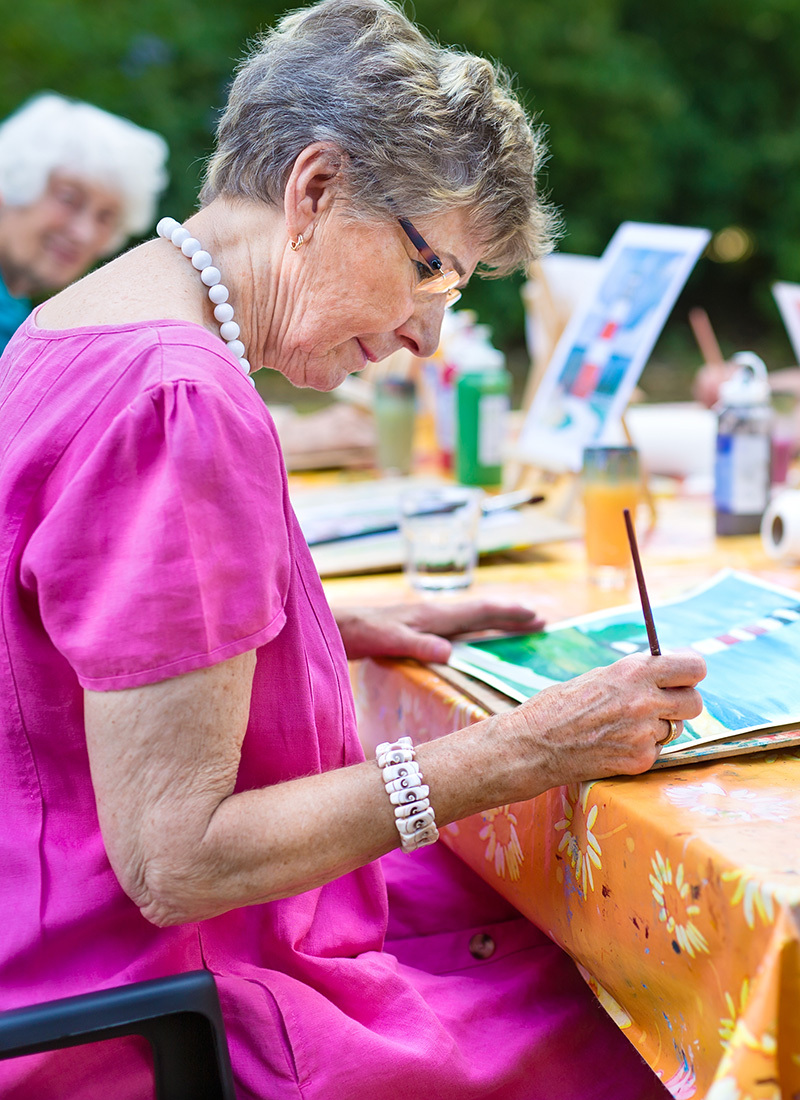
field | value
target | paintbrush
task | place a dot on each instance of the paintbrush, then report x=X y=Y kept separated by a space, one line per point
x=652 y=637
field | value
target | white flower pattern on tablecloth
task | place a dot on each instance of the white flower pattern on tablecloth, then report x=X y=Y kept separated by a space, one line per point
x=503 y=847
x=682 y=1084
x=742 y=1039
x=676 y=906
x=579 y=842
x=758 y=897
x=728 y=1023
x=739 y=804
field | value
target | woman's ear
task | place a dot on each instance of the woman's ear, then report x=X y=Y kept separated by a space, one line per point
x=314 y=182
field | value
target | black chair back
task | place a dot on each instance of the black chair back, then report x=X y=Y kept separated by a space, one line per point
x=179 y=1015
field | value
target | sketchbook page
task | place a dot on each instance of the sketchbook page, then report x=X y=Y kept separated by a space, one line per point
x=747 y=630
x=356 y=508
x=787 y=295
x=516 y=529
x=744 y=745
x=352 y=528
x=607 y=340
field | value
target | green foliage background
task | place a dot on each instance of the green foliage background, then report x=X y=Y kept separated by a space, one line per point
x=685 y=112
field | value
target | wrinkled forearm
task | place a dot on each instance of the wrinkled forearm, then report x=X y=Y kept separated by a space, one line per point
x=186 y=847
x=275 y=842
x=265 y=844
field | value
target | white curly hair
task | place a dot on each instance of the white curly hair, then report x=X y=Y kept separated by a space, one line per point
x=51 y=133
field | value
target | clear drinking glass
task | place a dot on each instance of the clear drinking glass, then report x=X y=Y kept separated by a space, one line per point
x=440 y=534
x=611 y=483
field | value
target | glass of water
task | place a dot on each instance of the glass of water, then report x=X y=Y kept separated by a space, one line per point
x=440 y=535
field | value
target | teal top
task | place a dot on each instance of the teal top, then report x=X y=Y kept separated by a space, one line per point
x=13 y=312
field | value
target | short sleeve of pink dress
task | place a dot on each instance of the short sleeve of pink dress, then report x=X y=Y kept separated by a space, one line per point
x=148 y=532
x=149 y=559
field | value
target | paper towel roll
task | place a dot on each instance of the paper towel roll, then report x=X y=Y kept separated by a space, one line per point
x=780 y=527
x=676 y=438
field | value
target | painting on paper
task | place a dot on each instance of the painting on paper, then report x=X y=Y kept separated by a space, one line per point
x=597 y=362
x=747 y=630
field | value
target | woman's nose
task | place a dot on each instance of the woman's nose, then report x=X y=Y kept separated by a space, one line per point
x=82 y=227
x=90 y=231
x=422 y=331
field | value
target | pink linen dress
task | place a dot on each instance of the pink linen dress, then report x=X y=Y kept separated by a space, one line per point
x=148 y=532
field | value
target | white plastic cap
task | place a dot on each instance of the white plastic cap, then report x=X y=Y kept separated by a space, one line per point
x=469 y=352
x=749 y=385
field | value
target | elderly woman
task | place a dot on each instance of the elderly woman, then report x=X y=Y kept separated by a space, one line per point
x=75 y=183
x=184 y=785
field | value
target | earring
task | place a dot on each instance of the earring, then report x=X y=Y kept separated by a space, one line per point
x=295 y=245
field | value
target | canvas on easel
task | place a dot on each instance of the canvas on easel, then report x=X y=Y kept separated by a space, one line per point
x=605 y=344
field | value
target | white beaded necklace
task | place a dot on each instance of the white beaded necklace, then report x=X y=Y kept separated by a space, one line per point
x=172 y=230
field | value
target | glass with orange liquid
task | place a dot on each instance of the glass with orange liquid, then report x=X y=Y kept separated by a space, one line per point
x=611 y=483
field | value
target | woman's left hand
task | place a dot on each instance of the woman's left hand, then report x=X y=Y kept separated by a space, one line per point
x=421 y=630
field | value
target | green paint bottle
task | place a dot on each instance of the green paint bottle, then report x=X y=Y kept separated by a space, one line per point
x=483 y=400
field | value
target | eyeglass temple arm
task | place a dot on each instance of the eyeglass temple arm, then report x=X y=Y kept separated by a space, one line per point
x=421 y=245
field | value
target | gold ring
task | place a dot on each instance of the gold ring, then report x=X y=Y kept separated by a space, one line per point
x=674 y=731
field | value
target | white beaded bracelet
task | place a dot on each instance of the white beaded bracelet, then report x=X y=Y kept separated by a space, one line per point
x=414 y=816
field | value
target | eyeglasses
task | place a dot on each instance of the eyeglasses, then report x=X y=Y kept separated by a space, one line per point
x=440 y=280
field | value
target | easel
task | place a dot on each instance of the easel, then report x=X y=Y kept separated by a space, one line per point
x=549 y=318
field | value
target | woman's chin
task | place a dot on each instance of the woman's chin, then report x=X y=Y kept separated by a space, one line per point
x=323 y=375
x=332 y=379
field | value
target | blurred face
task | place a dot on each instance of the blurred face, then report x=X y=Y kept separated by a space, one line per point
x=353 y=296
x=49 y=243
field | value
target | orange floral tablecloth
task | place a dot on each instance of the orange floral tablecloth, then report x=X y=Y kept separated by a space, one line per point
x=677 y=892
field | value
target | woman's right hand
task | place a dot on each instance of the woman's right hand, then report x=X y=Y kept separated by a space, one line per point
x=609 y=721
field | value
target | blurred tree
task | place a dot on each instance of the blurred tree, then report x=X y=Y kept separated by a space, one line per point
x=682 y=113
x=162 y=63
x=732 y=148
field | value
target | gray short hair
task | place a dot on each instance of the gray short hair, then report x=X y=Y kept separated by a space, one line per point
x=423 y=128
x=50 y=133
